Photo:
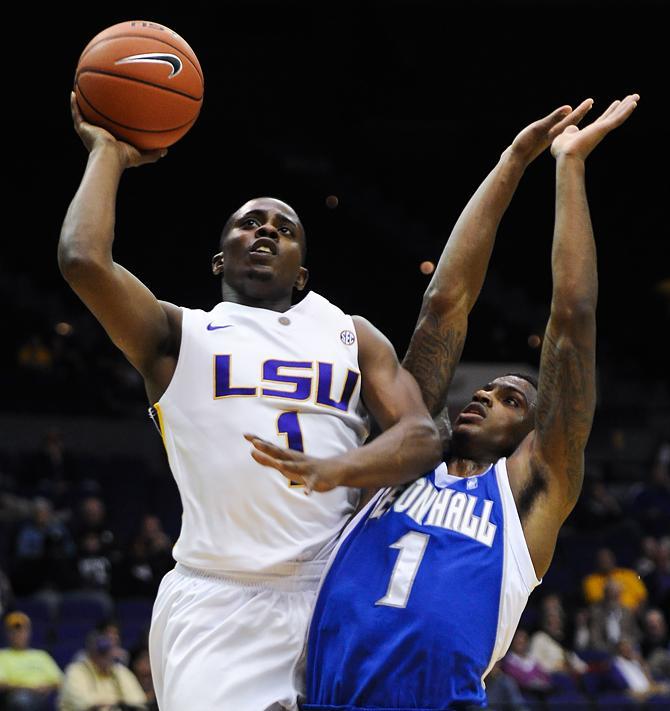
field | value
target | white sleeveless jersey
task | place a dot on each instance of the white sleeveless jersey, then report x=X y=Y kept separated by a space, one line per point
x=291 y=378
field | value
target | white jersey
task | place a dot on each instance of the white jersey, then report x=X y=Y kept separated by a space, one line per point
x=291 y=378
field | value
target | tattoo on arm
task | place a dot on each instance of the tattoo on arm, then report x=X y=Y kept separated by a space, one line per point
x=432 y=357
x=565 y=406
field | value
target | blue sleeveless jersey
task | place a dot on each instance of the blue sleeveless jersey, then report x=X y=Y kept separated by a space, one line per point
x=421 y=597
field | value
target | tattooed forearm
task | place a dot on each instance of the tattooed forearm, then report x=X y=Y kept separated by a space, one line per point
x=566 y=402
x=433 y=354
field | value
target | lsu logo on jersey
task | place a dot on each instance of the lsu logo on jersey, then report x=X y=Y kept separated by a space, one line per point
x=288 y=380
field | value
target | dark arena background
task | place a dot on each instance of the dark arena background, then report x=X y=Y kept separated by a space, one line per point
x=376 y=121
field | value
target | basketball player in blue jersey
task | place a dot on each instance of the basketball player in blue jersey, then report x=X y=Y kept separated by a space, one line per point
x=229 y=621
x=429 y=580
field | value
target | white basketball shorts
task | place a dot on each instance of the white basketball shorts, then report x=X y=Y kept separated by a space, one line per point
x=219 y=643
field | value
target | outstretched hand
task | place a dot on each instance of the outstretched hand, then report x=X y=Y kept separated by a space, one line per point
x=92 y=136
x=580 y=142
x=539 y=135
x=316 y=474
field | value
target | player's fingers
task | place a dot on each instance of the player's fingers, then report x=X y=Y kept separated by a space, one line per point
x=293 y=471
x=618 y=112
x=272 y=449
x=622 y=111
x=74 y=108
x=609 y=110
x=572 y=118
x=558 y=114
x=152 y=156
x=266 y=460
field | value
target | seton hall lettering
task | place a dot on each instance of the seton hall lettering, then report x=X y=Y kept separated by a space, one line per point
x=294 y=385
x=446 y=508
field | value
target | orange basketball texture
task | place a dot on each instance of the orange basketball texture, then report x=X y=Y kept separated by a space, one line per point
x=140 y=81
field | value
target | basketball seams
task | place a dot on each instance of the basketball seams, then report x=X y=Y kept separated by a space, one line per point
x=95 y=70
x=133 y=128
x=150 y=37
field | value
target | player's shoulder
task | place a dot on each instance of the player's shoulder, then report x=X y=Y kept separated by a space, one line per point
x=314 y=304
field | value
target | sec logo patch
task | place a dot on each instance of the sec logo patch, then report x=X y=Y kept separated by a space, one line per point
x=348 y=338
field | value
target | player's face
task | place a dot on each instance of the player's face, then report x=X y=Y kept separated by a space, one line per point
x=497 y=419
x=261 y=254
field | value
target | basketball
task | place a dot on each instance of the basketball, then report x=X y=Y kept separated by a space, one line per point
x=141 y=82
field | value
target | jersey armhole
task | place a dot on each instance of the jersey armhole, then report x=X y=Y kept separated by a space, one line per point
x=182 y=356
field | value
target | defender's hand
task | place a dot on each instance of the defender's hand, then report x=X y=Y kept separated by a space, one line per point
x=94 y=136
x=579 y=143
x=538 y=136
x=316 y=474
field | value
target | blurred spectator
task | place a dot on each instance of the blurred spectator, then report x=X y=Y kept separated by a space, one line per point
x=6 y=593
x=27 y=676
x=50 y=470
x=502 y=691
x=43 y=547
x=650 y=502
x=98 y=681
x=93 y=568
x=110 y=628
x=655 y=644
x=547 y=647
x=523 y=668
x=140 y=666
x=646 y=562
x=34 y=354
x=611 y=621
x=633 y=590
x=634 y=670
x=598 y=509
x=13 y=508
x=658 y=579
x=147 y=561
x=581 y=636
x=91 y=517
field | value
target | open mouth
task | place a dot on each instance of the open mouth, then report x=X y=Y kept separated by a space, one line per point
x=264 y=245
x=474 y=408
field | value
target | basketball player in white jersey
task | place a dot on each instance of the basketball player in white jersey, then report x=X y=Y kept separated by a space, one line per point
x=229 y=621
x=429 y=581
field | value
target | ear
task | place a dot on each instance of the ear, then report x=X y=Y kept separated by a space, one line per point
x=217 y=264
x=301 y=281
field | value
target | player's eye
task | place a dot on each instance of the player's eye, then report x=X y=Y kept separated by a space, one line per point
x=251 y=222
x=513 y=401
x=285 y=231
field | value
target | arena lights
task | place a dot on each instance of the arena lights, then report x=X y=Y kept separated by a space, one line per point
x=63 y=328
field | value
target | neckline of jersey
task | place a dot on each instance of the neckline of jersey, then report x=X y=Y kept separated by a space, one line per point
x=295 y=308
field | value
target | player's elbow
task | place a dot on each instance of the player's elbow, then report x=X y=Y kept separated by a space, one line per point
x=574 y=315
x=446 y=300
x=76 y=264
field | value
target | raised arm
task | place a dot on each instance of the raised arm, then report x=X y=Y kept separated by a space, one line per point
x=439 y=335
x=146 y=330
x=407 y=447
x=552 y=455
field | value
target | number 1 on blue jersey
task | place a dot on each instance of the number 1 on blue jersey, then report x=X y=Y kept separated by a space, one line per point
x=412 y=546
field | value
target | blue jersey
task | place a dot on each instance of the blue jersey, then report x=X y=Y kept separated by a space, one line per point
x=422 y=596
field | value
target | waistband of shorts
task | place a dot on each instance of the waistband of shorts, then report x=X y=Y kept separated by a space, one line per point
x=287 y=577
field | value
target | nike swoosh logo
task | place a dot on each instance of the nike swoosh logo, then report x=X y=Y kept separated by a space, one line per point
x=216 y=328
x=155 y=58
